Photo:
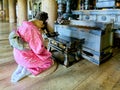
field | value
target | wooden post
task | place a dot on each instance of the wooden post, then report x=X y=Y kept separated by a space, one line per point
x=6 y=9
x=22 y=11
x=12 y=11
x=50 y=6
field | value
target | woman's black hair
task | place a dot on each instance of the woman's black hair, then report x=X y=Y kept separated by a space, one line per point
x=42 y=16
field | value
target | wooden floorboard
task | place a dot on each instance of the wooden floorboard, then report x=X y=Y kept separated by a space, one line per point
x=82 y=75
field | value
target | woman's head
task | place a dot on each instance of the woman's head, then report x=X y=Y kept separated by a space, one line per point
x=43 y=16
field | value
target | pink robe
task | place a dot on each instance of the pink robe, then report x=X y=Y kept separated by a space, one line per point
x=36 y=59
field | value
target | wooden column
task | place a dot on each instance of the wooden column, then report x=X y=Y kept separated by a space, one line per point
x=1 y=7
x=78 y=7
x=12 y=11
x=22 y=11
x=50 y=6
x=6 y=9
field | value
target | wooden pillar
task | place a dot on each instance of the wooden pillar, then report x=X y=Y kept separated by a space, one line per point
x=1 y=7
x=12 y=11
x=6 y=9
x=22 y=11
x=50 y=6
x=78 y=7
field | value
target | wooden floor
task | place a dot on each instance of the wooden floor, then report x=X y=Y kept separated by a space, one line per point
x=81 y=76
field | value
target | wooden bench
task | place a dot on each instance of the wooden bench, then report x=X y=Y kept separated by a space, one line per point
x=67 y=46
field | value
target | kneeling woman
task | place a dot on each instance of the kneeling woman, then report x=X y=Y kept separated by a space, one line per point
x=34 y=59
